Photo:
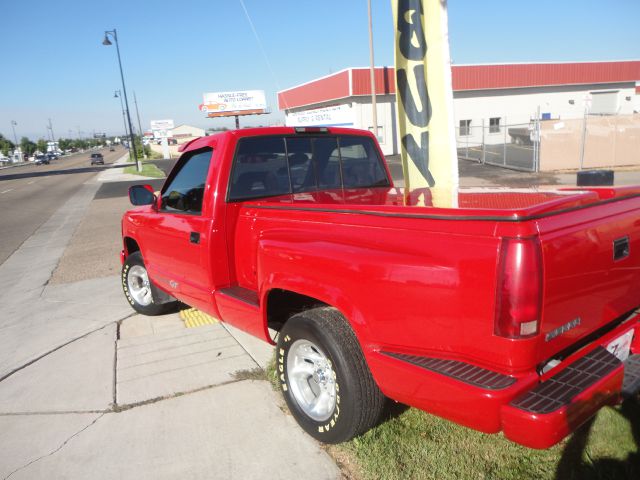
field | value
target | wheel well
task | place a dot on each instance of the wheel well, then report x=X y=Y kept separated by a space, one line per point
x=281 y=304
x=131 y=246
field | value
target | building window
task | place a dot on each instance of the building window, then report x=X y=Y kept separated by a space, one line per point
x=494 y=125
x=465 y=128
x=380 y=136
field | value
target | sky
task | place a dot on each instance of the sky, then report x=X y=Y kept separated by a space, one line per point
x=55 y=66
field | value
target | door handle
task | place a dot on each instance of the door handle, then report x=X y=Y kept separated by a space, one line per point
x=194 y=237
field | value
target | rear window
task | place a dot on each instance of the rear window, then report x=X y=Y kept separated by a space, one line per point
x=96 y=155
x=269 y=166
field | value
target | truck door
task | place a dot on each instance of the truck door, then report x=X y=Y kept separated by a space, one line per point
x=177 y=240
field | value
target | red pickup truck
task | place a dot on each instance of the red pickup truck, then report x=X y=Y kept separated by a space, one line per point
x=516 y=311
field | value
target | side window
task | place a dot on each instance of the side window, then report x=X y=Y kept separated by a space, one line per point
x=361 y=165
x=185 y=192
x=260 y=169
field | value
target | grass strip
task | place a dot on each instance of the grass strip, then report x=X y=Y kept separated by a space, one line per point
x=148 y=170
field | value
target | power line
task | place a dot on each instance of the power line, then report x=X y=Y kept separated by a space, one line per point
x=264 y=53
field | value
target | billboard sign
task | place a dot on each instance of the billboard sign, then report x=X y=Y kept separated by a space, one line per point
x=160 y=128
x=99 y=135
x=224 y=104
x=334 y=116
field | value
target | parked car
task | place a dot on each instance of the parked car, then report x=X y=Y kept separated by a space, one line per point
x=41 y=160
x=97 y=159
x=513 y=310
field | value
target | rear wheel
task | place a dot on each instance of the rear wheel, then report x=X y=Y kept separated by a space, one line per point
x=138 y=289
x=324 y=377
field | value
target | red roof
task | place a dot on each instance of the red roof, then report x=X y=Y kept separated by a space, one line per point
x=356 y=81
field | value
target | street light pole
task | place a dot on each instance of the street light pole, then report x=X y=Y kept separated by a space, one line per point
x=132 y=143
x=135 y=101
x=118 y=94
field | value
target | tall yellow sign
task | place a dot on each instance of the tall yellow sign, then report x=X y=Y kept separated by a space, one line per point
x=425 y=98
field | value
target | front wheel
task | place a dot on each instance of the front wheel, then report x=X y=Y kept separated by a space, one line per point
x=138 y=288
x=324 y=377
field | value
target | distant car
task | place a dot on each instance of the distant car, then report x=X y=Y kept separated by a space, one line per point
x=42 y=160
x=111 y=149
x=97 y=159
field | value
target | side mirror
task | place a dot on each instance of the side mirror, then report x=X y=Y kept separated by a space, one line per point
x=141 y=195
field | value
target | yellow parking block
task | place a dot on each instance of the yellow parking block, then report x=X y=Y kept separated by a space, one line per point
x=193 y=317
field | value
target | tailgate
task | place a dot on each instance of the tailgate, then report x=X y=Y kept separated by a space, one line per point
x=591 y=259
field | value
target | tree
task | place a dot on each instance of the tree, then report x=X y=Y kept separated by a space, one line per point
x=42 y=145
x=5 y=145
x=27 y=146
x=64 y=144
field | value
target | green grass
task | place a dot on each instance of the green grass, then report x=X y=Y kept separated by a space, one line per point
x=417 y=445
x=148 y=170
x=412 y=444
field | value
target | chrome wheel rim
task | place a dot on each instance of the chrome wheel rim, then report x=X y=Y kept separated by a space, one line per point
x=312 y=380
x=139 y=286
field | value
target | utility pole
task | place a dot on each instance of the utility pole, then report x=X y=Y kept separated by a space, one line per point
x=13 y=127
x=53 y=138
x=374 y=107
x=135 y=100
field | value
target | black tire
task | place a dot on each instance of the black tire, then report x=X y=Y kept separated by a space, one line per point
x=358 y=400
x=153 y=308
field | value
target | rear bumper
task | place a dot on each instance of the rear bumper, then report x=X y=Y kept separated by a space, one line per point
x=544 y=415
x=533 y=411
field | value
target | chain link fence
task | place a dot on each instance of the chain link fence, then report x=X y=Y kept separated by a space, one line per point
x=513 y=146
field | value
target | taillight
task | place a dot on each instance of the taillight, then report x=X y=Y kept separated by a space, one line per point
x=519 y=288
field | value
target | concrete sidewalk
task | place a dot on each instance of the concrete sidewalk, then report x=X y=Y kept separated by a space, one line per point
x=89 y=389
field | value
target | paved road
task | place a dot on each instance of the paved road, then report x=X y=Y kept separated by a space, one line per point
x=30 y=194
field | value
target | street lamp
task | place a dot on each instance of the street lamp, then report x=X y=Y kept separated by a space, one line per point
x=132 y=143
x=118 y=94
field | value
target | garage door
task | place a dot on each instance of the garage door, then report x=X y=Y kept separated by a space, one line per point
x=604 y=103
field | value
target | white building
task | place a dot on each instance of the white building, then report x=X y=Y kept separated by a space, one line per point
x=488 y=99
x=185 y=133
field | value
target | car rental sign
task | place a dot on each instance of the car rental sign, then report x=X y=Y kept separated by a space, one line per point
x=221 y=104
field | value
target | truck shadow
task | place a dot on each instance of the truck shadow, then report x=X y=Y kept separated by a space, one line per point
x=575 y=463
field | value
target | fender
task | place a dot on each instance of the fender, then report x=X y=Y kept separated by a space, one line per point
x=329 y=294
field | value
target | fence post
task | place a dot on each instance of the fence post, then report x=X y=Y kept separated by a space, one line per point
x=584 y=137
x=615 y=137
x=504 y=145
x=466 y=140
x=483 y=158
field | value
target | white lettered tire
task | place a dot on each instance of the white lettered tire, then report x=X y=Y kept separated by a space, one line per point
x=138 y=289
x=324 y=377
